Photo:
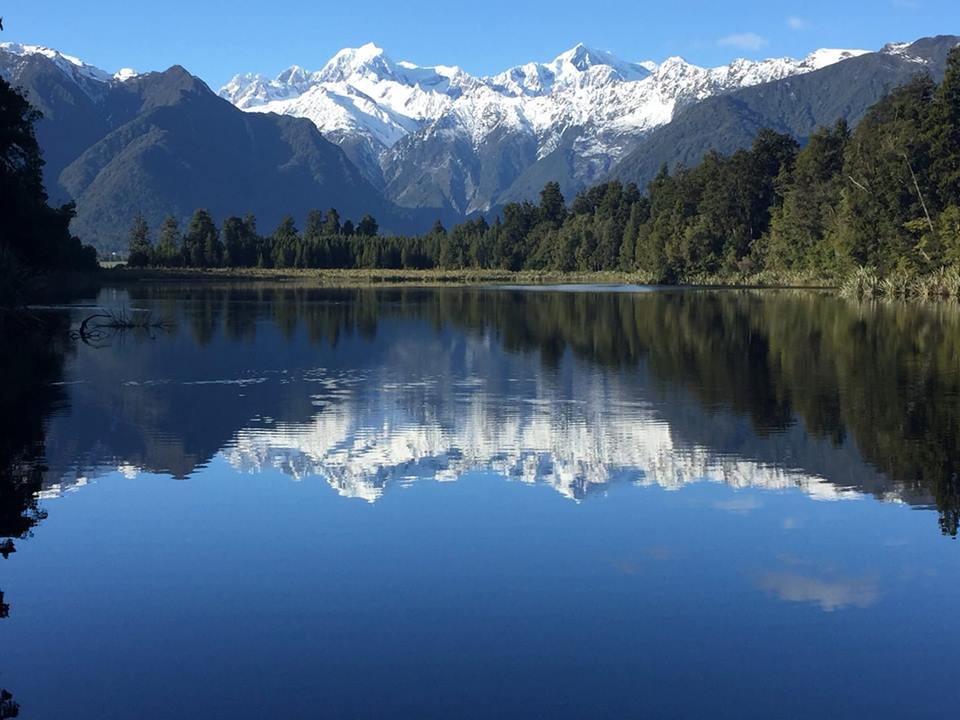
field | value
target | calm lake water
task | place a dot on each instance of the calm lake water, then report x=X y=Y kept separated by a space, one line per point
x=483 y=503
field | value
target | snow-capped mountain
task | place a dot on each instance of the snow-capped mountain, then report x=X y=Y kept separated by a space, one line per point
x=448 y=143
x=435 y=134
x=163 y=142
x=91 y=79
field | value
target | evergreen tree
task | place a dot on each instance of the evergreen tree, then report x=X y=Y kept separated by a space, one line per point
x=553 y=208
x=315 y=241
x=285 y=242
x=168 y=252
x=627 y=259
x=944 y=134
x=232 y=234
x=200 y=239
x=331 y=225
x=140 y=253
x=511 y=235
x=367 y=227
x=886 y=165
x=803 y=229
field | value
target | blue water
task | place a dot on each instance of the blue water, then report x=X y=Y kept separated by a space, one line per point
x=367 y=505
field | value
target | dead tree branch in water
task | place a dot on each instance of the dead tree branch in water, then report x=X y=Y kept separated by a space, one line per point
x=98 y=328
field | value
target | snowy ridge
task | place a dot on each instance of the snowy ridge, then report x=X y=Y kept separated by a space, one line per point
x=440 y=137
x=363 y=95
x=359 y=94
x=72 y=66
x=88 y=77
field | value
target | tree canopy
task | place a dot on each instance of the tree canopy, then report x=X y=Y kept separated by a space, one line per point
x=36 y=234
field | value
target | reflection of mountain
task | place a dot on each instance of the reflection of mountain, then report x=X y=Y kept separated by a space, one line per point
x=575 y=444
x=577 y=390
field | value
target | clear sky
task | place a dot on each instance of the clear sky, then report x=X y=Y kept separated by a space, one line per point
x=217 y=38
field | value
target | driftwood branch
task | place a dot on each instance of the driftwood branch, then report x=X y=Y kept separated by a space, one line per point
x=97 y=328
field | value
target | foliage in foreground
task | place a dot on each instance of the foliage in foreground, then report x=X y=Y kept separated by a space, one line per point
x=34 y=237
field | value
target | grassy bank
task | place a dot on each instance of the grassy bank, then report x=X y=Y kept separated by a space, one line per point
x=439 y=277
x=863 y=283
x=866 y=283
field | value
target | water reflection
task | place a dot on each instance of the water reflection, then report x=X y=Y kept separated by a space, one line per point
x=31 y=365
x=365 y=388
x=585 y=393
x=830 y=593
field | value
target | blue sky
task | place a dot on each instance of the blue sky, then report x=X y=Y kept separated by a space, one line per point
x=217 y=38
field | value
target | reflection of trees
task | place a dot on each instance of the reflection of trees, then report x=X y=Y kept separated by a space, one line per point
x=884 y=377
x=8 y=708
x=30 y=365
x=326 y=313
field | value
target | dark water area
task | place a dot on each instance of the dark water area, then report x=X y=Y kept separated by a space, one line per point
x=484 y=502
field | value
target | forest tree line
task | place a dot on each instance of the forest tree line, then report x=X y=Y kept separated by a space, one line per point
x=885 y=195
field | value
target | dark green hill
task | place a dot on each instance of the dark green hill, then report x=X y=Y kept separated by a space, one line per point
x=794 y=106
x=164 y=143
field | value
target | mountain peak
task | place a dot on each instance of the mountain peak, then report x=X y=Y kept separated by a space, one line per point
x=583 y=57
x=72 y=66
x=369 y=50
x=829 y=56
x=294 y=75
x=366 y=60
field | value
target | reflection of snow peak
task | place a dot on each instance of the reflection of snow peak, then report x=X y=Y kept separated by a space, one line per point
x=575 y=447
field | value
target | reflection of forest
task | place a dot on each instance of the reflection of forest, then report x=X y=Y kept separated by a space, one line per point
x=882 y=379
x=886 y=377
x=31 y=362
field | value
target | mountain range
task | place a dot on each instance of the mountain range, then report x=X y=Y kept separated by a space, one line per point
x=411 y=144
x=439 y=137
x=163 y=143
x=794 y=106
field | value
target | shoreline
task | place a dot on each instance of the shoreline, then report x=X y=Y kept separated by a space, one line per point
x=348 y=277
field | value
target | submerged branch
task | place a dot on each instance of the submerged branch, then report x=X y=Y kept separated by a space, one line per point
x=99 y=327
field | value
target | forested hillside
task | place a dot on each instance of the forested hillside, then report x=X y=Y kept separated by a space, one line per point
x=886 y=195
x=794 y=106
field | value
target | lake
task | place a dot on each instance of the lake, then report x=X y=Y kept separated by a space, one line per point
x=295 y=502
